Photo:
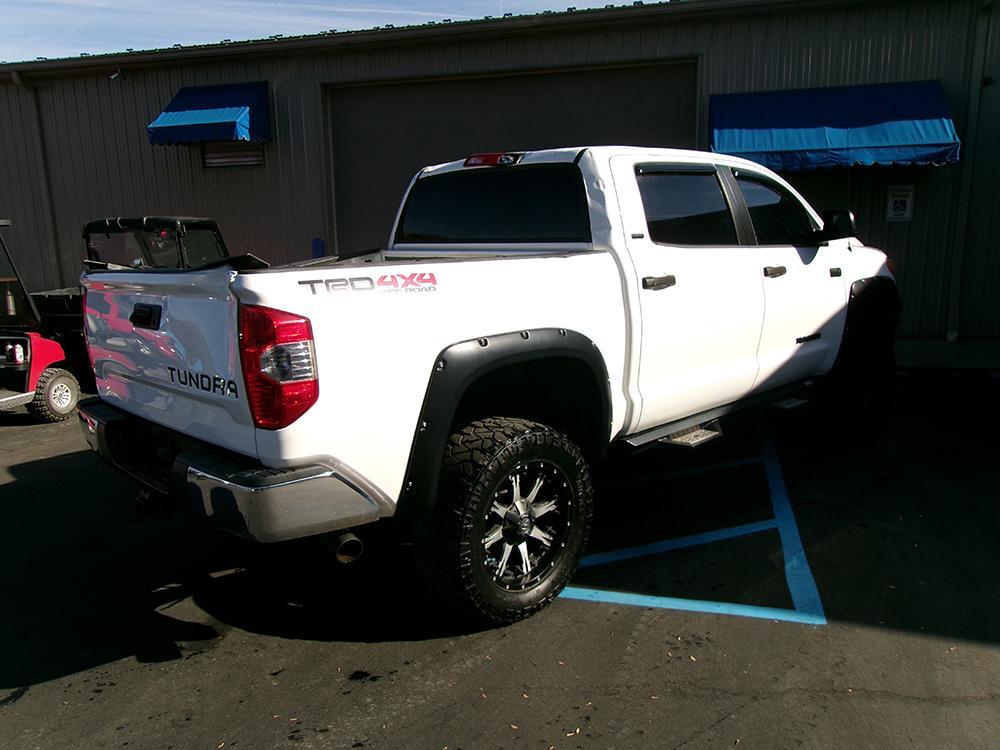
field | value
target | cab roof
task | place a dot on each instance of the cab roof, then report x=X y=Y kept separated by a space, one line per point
x=575 y=153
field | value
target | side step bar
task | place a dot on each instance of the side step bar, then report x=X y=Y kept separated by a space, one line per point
x=785 y=397
x=790 y=403
x=692 y=437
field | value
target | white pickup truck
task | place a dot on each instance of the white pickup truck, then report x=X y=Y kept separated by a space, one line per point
x=529 y=310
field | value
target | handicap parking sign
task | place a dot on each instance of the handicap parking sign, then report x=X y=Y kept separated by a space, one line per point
x=900 y=204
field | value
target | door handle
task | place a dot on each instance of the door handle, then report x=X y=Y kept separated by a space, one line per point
x=146 y=316
x=773 y=272
x=658 y=282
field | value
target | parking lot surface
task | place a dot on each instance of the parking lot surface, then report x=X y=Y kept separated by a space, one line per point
x=133 y=631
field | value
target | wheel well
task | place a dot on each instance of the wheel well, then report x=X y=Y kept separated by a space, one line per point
x=555 y=376
x=561 y=392
x=872 y=312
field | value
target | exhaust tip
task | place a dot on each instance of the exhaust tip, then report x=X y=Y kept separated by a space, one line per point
x=348 y=548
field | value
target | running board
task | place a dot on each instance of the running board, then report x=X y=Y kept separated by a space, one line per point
x=692 y=437
x=787 y=392
x=790 y=403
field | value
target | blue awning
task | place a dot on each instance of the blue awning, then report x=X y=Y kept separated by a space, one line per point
x=891 y=123
x=235 y=112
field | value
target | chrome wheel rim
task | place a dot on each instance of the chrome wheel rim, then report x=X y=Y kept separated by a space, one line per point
x=526 y=525
x=62 y=395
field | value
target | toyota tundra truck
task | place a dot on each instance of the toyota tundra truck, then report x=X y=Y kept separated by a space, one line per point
x=528 y=311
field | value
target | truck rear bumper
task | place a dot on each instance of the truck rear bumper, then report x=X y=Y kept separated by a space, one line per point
x=235 y=493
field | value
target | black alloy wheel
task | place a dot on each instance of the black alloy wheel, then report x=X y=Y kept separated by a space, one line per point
x=511 y=522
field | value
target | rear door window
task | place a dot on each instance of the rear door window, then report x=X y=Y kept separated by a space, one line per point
x=522 y=204
x=685 y=207
x=778 y=217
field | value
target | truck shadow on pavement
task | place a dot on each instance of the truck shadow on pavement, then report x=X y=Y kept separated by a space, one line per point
x=87 y=581
x=899 y=530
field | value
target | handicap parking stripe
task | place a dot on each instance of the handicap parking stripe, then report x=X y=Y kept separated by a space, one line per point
x=801 y=585
x=630 y=599
x=683 y=542
x=808 y=608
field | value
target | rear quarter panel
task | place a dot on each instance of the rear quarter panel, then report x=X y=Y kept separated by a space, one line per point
x=377 y=343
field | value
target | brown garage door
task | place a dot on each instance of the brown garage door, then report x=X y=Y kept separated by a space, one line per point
x=382 y=134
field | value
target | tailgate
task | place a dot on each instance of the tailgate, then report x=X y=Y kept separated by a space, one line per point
x=165 y=347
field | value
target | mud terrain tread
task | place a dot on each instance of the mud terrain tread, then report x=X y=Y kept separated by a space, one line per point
x=468 y=455
x=39 y=407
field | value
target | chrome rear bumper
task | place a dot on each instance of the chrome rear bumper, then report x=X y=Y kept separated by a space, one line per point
x=233 y=492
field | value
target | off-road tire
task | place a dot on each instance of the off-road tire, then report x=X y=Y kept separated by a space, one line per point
x=56 y=395
x=478 y=467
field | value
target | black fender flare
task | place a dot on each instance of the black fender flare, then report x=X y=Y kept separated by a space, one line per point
x=873 y=310
x=460 y=365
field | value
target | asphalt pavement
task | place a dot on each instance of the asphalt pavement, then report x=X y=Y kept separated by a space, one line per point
x=825 y=593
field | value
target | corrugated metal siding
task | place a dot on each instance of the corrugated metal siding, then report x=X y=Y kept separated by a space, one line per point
x=979 y=316
x=103 y=165
x=107 y=167
x=416 y=123
x=22 y=194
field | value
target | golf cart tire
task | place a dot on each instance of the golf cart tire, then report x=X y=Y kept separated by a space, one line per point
x=56 y=395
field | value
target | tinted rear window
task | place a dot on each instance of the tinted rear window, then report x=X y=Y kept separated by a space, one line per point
x=544 y=203
x=686 y=208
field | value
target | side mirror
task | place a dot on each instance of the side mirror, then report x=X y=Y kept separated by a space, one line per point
x=838 y=223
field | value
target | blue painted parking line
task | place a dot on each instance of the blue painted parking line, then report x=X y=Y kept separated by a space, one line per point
x=629 y=599
x=801 y=584
x=643 y=550
x=808 y=608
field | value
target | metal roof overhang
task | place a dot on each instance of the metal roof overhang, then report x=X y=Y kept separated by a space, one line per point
x=891 y=123
x=332 y=40
x=236 y=112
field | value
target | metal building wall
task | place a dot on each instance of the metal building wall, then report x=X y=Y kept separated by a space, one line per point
x=979 y=315
x=868 y=44
x=102 y=164
x=22 y=193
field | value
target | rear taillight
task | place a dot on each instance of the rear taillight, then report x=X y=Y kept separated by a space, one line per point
x=279 y=365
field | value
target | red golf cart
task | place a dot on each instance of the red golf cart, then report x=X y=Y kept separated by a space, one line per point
x=41 y=345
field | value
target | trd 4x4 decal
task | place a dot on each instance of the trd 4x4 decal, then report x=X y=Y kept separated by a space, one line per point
x=396 y=282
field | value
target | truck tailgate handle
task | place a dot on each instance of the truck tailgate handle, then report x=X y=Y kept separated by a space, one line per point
x=146 y=316
x=773 y=272
x=658 y=282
